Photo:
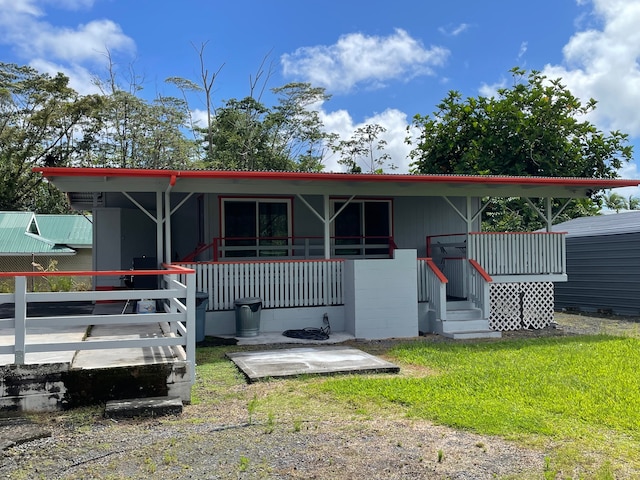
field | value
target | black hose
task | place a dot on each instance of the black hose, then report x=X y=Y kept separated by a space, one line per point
x=309 y=333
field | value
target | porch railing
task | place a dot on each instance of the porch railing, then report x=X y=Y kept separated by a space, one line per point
x=479 y=287
x=536 y=253
x=177 y=296
x=299 y=248
x=279 y=283
x=432 y=287
x=513 y=253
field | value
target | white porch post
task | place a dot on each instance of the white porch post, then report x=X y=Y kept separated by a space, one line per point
x=159 y=239
x=20 y=319
x=327 y=227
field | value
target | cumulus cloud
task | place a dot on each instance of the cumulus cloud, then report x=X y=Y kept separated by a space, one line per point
x=395 y=123
x=357 y=59
x=24 y=27
x=602 y=63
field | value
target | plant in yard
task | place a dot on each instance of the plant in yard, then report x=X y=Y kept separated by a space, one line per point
x=243 y=464
x=251 y=408
x=440 y=456
x=270 y=423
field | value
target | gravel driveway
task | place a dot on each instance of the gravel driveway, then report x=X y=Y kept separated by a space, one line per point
x=218 y=441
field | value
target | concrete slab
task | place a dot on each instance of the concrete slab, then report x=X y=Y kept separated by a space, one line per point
x=143 y=407
x=292 y=362
x=123 y=357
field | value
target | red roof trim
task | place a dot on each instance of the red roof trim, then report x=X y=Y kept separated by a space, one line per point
x=53 y=172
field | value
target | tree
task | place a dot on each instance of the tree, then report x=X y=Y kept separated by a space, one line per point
x=39 y=115
x=361 y=150
x=534 y=128
x=130 y=132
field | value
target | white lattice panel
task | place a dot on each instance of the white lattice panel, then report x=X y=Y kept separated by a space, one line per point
x=515 y=306
x=537 y=304
x=505 y=306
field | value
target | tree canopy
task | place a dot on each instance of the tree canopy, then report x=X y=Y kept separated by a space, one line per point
x=537 y=127
x=41 y=121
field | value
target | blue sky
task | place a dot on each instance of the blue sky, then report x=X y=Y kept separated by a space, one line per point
x=381 y=61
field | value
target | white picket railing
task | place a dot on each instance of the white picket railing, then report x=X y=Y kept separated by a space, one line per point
x=278 y=283
x=479 y=287
x=536 y=253
x=178 y=296
x=432 y=287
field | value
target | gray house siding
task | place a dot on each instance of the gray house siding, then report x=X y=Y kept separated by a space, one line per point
x=603 y=264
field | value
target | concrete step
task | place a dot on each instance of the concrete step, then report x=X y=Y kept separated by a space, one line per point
x=143 y=407
x=465 y=325
x=464 y=314
x=472 y=334
x=459 y=304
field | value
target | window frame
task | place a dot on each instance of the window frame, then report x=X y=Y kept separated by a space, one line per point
x=259 y=251
x=362 y=244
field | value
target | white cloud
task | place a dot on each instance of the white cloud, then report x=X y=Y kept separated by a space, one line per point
x=603 y=64
x=80 y=78
x=357 y=59
x=454 y=31
x=24 y=27
x=393 y=120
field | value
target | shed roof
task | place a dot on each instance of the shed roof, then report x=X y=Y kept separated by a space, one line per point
x=611 y=224
x=22 y=234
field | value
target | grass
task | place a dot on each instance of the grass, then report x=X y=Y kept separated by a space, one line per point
x=574 y=397
x=579 y=393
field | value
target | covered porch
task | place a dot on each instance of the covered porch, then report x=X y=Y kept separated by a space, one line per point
x=380 y=256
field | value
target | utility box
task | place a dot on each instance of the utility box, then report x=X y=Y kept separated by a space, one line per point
x=248 y=316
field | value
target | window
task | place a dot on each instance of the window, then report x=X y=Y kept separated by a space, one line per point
x=363 y=228
x=256 y=227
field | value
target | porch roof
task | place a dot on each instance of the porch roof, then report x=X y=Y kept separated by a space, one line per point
x=85 y=180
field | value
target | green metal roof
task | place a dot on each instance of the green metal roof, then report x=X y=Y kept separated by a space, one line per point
x=71 y=230
x=21 y=233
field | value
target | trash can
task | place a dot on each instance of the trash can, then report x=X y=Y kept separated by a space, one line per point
x=248 y=316
x=202 y=300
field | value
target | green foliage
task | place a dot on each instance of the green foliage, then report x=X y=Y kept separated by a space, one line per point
x=42 y=121
x=582 y=390
x=533 y=128
x=248 y=135
x=363 y=150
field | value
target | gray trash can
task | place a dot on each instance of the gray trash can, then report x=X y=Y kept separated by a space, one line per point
x=248 y=316
x=202 y=300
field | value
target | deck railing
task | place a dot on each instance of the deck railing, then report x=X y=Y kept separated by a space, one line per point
x=479 y=287
x=432 y=287
x=178 y=296
x=279 y=283
x=535 y=253
x=230 y=249
x=515 y=253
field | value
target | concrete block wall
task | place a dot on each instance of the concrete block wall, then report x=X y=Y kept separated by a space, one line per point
x=381 y=296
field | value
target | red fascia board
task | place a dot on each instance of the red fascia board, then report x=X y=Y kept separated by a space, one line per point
x=53 y=172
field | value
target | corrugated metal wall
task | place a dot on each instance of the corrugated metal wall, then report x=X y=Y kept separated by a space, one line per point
x=604 y=274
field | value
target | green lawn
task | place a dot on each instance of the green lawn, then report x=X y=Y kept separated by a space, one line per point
x=581 y=394
x=576 y=398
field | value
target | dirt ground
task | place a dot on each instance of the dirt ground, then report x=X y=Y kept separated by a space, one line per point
x=218 y=442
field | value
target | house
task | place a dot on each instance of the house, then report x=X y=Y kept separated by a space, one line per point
x=27 y=238
x=603 y=264
x=379 y=255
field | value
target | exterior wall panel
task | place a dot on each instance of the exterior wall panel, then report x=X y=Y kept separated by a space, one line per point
x=604 y=274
